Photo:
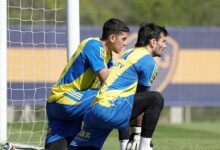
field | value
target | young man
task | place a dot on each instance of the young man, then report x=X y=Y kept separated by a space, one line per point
x=77 y=85
x=112 y=107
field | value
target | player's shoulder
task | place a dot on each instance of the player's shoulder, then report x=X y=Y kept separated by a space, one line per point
x=148 y=60
x=138 y=55
x=93 y=42
x=92 y=45
x=144 y=58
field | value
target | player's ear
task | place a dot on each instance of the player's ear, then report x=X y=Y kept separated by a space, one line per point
x=153 y=42
x=112 y=38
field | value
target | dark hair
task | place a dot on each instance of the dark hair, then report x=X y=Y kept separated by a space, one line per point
x=149 y=31
x=113 y=26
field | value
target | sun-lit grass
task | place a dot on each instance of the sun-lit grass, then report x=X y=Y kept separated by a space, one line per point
x=193 y=136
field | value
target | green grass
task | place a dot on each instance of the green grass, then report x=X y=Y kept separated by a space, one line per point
x=194 y=136
x=27 y=133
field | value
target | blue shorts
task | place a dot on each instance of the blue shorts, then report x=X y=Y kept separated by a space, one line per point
x=100 y=120
x=65 y=120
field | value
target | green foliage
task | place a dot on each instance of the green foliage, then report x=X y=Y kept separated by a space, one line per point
x=133 y=12
x=36 y=12
x=169 y=12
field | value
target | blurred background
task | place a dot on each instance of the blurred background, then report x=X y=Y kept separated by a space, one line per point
x=188 y=76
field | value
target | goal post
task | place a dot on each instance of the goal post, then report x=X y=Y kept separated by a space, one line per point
x=73 y=26
x=3 y=70
x=36 y=56
x=42 y=35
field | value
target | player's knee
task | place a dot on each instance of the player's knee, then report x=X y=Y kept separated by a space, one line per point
x=82 y=148
x=158 y=100
x=60 y=144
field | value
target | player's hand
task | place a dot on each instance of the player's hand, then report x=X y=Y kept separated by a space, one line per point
x=134 y=142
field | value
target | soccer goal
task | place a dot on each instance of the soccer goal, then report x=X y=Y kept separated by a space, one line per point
x=36 y=51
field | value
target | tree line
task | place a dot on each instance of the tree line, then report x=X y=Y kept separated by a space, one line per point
x=94 y=12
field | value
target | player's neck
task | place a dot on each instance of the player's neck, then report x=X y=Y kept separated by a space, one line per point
x=149 y=49
x=106 y=45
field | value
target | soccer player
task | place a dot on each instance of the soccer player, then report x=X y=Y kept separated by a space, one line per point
x=77 y=85
x=112 y=107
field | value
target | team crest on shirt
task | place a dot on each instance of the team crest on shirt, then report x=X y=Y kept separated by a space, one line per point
x=153 y=76
x=166 y=65
x=102 y=52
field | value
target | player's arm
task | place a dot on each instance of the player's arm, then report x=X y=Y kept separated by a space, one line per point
x=96 y=58
x=138 y=121
x=102 y=74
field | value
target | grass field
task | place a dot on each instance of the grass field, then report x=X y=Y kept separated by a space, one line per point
x=193 y=136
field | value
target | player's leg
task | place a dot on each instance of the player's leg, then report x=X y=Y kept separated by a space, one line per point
x=94 y=131
x=60 y=133
x=90 y=139
x=100 y=119
x=65 y=118
x=124 y=133
x=59 y=126
x=123 y=138
x=60 y=144
x=82 y=148
x=151 y=105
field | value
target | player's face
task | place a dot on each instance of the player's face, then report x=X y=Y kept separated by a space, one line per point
x=160 y=46
x=119 y=42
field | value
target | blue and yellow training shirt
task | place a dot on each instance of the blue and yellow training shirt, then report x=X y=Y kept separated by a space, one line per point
x=80 y=72
x=136 y=66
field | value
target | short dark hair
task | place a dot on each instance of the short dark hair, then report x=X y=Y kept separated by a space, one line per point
x=113 y=26
x=149 y=31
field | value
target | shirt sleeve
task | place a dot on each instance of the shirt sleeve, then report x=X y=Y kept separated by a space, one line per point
x=147 y=71
x=94 y=53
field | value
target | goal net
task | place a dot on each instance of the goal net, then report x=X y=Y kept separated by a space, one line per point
x=36 y=55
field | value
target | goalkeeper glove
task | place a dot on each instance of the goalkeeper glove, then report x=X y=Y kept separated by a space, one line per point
x=123 y=144
x=134 y=140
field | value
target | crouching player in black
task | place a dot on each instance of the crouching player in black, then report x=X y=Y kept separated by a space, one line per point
x=142 y=128
x=147 y=106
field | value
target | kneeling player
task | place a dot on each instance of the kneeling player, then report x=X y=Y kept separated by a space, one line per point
x=112 y=107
